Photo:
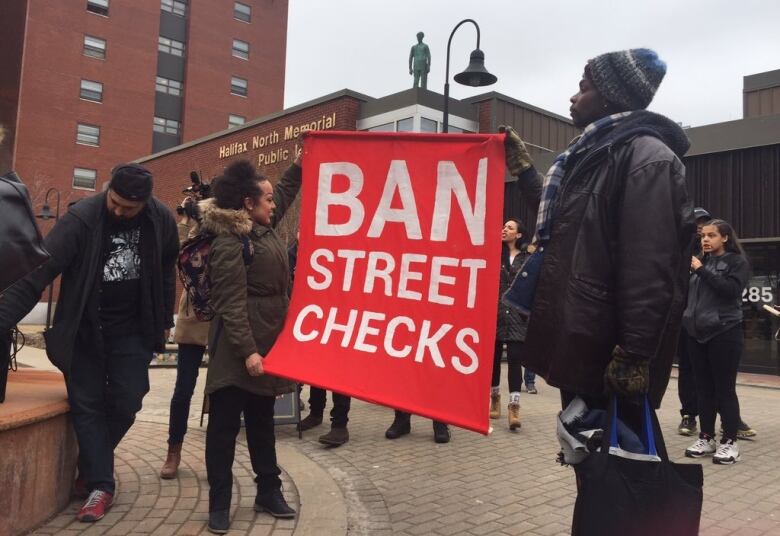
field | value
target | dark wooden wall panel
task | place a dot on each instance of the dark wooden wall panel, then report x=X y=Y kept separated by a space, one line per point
x=741 y=187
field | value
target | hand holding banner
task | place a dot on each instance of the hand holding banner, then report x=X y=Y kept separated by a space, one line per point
x=397 y=275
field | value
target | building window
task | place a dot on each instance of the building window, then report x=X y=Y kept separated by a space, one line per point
x=242 y=12
x=405 y=125
x=238 y=86
x=98 y=6
x=94 y=47
x=171 y=87
x=87 y=134
x=240 y=49
x=428 y=125
x=91 y=91
x=166 y=126
x=387 y=127
x=236 y=120
x=177 y=7
x=84 y=179
x=170 y=46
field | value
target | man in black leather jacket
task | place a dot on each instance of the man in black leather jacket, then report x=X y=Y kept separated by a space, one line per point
x=612 y=286
x=116 y=252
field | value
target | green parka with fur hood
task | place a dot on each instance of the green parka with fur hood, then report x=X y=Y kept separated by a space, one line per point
x=250 y=301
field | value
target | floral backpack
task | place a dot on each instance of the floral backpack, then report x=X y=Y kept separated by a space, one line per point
x=193 y=264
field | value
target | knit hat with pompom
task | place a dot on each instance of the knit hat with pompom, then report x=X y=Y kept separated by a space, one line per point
x=628 y=78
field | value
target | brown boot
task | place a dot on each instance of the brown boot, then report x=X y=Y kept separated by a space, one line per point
x=514 y=416
x=171 y=466
x=495 y=405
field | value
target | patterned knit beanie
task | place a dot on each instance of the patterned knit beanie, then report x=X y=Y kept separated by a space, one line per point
x=628 y=78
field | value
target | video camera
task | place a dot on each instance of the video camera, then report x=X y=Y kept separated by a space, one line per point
x=197 y=191
x=199 y=188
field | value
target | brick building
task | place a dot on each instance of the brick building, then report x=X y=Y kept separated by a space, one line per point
x=270 y=141
x=89 y=83
x=732 y=167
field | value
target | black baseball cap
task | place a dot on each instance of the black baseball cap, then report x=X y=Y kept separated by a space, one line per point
x=699 y=213
x=132 y=182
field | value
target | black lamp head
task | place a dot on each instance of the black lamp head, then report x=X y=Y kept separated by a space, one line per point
x=475 y=74
x=46 y=212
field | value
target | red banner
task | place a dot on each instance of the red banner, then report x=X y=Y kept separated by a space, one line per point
x=395 y=291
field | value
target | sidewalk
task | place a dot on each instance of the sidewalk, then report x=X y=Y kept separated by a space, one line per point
x=504 y=484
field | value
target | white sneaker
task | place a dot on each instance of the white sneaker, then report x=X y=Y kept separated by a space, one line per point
x=727 y=454
x=702 y=447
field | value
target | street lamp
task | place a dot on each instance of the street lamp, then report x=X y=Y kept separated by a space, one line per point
x=47 y=215
x=475 y=74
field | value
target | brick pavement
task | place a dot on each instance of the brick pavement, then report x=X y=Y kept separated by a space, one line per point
x=504 y=484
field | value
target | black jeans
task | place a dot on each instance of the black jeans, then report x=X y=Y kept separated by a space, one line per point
x=715 y=364
x=187 y=368
x=686 y=378
x=514 y=350
x=225 y=407
x=105 y=391
x=529 y=377
x=340 y=412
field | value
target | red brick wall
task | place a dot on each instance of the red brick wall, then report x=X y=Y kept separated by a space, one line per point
x=50 y=106
x=208 y=100
x=12 y=23
x=485 y=117
x=171 y=171
x=54 y=64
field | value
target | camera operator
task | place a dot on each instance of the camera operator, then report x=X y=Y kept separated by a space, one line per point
x=191 y=335
x=188 y=211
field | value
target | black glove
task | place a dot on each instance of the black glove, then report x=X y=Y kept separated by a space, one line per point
x=517 y=157
x=627 y=375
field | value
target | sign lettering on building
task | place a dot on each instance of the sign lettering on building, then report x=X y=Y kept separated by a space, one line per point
x=265 y=143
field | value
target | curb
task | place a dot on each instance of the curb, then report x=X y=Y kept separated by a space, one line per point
x=323 y=509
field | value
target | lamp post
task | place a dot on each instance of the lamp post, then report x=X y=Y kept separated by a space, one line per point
x=47 y=215
x=475 y=74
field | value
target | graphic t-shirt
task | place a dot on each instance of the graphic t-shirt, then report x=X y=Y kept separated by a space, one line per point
x=120 y=290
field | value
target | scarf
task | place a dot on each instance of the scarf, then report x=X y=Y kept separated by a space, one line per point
x=552 y=181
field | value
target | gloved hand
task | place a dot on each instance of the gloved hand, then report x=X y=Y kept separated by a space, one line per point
x=517 y=157
x=627 y=375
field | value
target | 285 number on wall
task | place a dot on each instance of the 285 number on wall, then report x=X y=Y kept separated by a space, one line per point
x=757 y=294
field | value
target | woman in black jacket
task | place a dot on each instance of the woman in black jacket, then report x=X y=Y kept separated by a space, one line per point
x=511 y=326
x=713 y=319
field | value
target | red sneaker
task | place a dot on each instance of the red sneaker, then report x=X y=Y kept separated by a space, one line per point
x=95 y=508
x=80 y=489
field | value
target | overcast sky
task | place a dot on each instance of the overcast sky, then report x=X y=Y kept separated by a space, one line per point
x=536 y=48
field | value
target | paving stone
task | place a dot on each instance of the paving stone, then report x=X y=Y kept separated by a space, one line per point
x=166 y=530
x=191 y=528
x=261 y=530
x=504 y=484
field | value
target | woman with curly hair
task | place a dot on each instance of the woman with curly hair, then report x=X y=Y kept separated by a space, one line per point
x=249 y=276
